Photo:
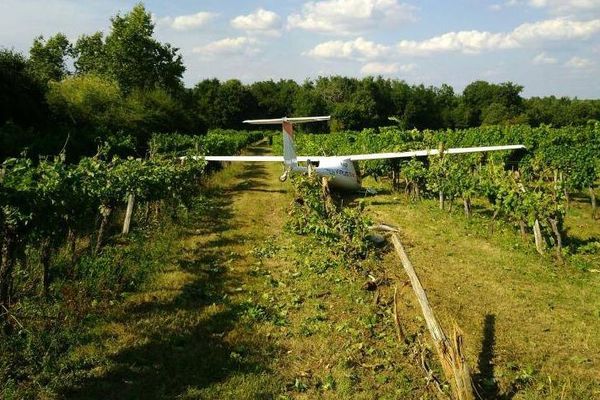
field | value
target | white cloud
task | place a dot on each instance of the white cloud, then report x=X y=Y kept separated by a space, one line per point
x=565 y=6
x=349 y=16
x=556 y=29
x=376 y=68
x=229 y=46
x=543 y=58
x=471 y=42
x=187 y=22
x=357 y=49
x=464 y=41
x=467 y=42
x=579 y=63
x=260 y=21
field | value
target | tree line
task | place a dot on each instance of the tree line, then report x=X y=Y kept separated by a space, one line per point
x=125 y=85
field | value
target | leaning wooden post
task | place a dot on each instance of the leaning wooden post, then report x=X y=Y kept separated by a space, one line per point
x=449 y=351
x=128 y=213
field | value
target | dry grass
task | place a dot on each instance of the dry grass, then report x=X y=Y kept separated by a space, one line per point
x=531 y=325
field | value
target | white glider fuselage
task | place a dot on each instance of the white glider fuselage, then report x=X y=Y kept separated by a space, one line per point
x=340 y=172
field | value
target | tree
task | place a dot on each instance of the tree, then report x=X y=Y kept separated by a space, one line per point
x=495 y=114
x=85 y=100
x=235 y=103
x=90 y=55
x=307 y=102
x=274 y=99
x=130 y=55
x=47 y=58
x=224 y=105
x=205 y=94
x=480 y=94
x=21 y=95
x=147 y=111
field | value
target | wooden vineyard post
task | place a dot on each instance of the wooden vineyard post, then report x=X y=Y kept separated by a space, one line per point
x=557 y=235
x=105 y=212
x=449 y=351
x=128 y=213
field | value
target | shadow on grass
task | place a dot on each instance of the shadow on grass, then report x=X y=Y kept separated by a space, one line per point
x=576 y=244
x=169 y=365
x=182 y=343
x=485 y=380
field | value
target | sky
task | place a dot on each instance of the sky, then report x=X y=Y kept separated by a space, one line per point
x=551 y=47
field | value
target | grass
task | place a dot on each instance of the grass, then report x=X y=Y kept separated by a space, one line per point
x=242 y=309
x=247 y=311
x=530 y=324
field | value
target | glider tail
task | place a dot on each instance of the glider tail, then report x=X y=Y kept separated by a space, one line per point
x=287 y=127
x=289 y=150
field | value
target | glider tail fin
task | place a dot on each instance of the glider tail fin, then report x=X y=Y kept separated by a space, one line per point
x=289 y=150
x=287 y=127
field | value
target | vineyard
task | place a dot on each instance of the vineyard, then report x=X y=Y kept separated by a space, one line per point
x=55 y=218
x=94 y=308
x=531 y=189
x=152 y=248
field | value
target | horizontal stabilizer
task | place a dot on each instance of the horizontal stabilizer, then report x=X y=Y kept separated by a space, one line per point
x=276 y=121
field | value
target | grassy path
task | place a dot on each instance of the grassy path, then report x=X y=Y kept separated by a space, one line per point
x=243 y=311
x=531 y=326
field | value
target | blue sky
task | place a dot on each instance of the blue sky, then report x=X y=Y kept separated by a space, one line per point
x=549 y=46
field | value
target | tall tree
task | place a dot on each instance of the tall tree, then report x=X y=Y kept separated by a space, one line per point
x=48 y=58
x=135 y=59
x=130 y=55
x=21 y=95
x=274 y=99
x=307 y=102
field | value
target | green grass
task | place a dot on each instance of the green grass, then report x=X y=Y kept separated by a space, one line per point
x=245 y=311
x=530 y=323
x=236 y=307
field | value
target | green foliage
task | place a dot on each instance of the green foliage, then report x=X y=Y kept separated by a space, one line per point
x=130 y=55
x=85 y=99
x=490 y=103
x=314 y=212
x=21 y=95
x=224 y=105
x=215 y=142
x=151 y=96
x=557 y=162
x=48 y=58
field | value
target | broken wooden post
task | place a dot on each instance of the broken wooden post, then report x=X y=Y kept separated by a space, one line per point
x=449 y=351
x=128 y=213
